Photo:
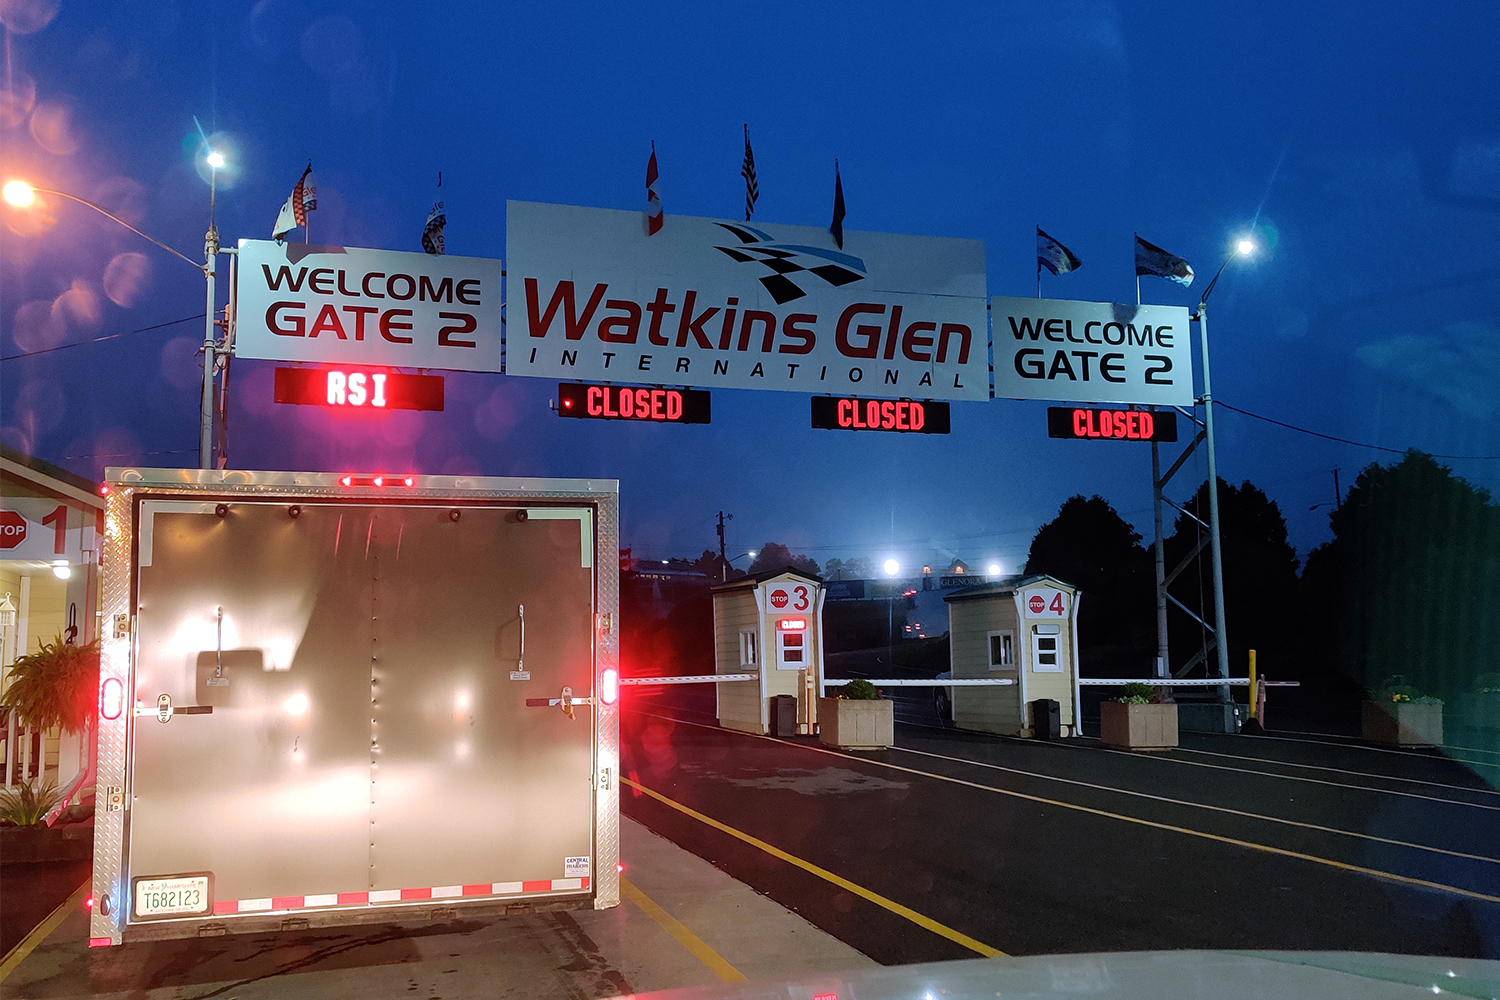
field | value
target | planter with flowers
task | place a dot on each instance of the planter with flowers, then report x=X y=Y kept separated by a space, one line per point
x=1399 y=715
x=858 y=719
x=1140 y=719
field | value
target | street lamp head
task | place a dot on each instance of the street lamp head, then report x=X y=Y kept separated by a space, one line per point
x=19 y=194
x=994 y=569
x=1246 y=247
x=214 y=159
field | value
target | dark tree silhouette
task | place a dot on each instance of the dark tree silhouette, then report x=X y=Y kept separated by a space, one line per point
x=774 y=556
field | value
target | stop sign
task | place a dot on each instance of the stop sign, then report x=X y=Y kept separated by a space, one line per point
x=1038 y=604
x=779 y=599
x=12 y=529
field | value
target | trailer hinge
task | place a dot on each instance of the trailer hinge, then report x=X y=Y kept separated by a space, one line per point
x=114 y=798
x=122 y=625
x=294 y=924
x=604 y=779
x=606 y=623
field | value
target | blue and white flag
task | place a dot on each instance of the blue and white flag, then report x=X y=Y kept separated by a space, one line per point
x=1053 y=255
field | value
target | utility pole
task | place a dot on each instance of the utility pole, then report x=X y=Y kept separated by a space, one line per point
x=723 y=561
x=1338 y=494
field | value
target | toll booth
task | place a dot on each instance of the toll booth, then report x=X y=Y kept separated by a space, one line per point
x=1024 y=629
x=769 y=625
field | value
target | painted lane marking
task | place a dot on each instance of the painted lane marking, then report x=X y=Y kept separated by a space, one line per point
x=692 y=942
x=1203 y=805
x=1339 y=770
x=1219 y=838
x=921 y=920
x=39 y=933
x=1350 y=745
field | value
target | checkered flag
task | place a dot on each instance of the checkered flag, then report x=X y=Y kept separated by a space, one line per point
x=432 y=233
x=789 y=262
x=294 y=211
x=747 y=171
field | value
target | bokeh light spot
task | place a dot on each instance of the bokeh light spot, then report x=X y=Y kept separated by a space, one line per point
x=127 y=278
x=52 y=128
x=17 y=98
x=80 y=306
x=37 y=327
x=26 y=17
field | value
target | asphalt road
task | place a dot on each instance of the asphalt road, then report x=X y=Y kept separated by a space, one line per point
x=1028 y=847
x=30 y=892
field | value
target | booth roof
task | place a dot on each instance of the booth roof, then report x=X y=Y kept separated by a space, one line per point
x=756 y=579
x=1005 y=587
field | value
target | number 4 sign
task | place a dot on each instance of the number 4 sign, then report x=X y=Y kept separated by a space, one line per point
x=1045 y=602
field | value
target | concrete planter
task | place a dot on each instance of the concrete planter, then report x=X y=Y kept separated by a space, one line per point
x=1402 y=724
x=1138 y=727
x=857 y=725
x=31 y=844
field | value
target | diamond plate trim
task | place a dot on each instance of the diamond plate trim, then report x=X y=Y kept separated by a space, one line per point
x=607 y=733
x=113 y=795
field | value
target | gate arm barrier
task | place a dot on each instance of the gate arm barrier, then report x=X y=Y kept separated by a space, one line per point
x=688 y=679
x=919 y=683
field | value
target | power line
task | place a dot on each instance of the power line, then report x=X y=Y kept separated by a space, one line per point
x=96 y=340
x=1357 y=444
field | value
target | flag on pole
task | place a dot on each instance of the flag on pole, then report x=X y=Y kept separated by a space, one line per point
x=653 y=196
x=837 y=226
x=294 y=212
x=432 y=233
x=1153 y=260
x=747 y=171
x=1053 y=255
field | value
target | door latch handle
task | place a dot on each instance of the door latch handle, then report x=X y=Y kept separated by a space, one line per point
x=565 y=701
x=165 y=709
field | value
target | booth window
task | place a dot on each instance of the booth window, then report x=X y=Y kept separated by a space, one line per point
x=747 y=647
x=1003 y=650
x=1045 y=647
x=789 y=648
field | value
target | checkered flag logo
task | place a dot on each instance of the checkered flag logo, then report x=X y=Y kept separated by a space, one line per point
x=784 y=259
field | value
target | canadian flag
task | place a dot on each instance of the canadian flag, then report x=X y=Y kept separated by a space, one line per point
x=653 y=196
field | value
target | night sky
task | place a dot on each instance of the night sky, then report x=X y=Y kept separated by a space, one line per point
x=1357 y=141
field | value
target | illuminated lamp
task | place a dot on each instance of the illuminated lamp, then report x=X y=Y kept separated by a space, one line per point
x=609 y=685
x=112 y=698
x=409 y=481
x=347 y=480
x=379 y=480
x=61 y=569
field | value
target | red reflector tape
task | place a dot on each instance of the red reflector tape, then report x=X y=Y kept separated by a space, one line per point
x=305 y=902
x=100 y=942
x=416 y=893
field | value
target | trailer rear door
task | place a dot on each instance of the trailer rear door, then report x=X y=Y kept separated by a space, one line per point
x=347 y=688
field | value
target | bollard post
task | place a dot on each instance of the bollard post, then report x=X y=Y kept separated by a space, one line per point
x=1260 y=711
x=1253 y=689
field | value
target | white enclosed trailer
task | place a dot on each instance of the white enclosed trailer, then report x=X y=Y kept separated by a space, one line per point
x=331 y=699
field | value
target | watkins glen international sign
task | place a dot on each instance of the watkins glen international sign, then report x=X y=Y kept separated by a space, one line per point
x=715 y=303
x=1092 y=352
x=351 y=306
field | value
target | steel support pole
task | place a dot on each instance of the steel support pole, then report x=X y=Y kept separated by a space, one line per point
x=206 y=404
x=1163 y=663
x=1221 y=633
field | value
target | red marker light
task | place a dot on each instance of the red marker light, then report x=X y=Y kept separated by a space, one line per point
x=379 y=481
x=111 y=698
x=88 y=904
x=410 y=481
x=609 y=685
x=347 y=480
x=104 y=491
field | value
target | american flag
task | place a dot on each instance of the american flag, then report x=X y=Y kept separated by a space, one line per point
x=653 y=196
x=294 y=212
x=747 y=171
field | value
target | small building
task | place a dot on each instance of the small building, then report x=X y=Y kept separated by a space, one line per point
x=1024 y=628
x=769 y=624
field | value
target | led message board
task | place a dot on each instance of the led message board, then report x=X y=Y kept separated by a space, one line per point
x=358 y=389
x=1111 y=425
x=623 y=402
x=902 y=416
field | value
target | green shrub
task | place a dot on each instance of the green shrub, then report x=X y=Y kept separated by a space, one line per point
x=859 y=690
x=1136 y=693
x=26 y=804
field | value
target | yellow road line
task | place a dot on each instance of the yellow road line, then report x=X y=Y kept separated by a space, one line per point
x=1235 y=841
x=921 y=920
x=685 y=937
x=39 y=933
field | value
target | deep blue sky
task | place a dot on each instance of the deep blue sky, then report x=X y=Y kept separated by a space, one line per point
x=1361 y=138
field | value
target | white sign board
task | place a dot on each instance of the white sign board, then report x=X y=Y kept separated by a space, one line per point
x=37 y=529
x=1091 y=352
x=1044 y=602
x=351 y=306
x=717 y=303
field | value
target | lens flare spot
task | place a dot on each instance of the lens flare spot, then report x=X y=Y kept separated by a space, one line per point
x=27 y=17
x=80 y=306
x=17 y=98
x=52 y=127
x=37 y=326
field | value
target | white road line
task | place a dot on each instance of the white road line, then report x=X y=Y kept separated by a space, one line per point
x=1341 y=770
x=1199 y=805
x=1336 y=742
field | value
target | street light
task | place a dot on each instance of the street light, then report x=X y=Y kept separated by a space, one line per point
x=994 y=569
x=19 y=194
x=891 y=567
x=1244 y=247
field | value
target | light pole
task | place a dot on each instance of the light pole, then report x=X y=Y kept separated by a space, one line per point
x=20 y=194
x=1243 y=248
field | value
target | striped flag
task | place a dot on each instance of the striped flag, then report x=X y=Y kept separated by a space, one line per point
x=1053 y=255
x=837 y=226
x=653 y=196
x=294 y=212
x=1151 y=259
x=747 y=171
x=432 y=232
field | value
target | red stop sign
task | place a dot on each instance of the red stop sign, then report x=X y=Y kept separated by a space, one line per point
x=12 y=529
x=779 y=599
x=1038 y=604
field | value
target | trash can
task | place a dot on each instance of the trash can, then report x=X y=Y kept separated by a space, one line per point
x=784 y=715
x=1046 y=719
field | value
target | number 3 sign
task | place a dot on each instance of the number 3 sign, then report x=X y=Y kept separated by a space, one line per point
x=791 y=597
x=1044 y=602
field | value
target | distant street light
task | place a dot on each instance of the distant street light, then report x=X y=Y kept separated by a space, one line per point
x=892 y=567
x=1246 y=247
x=20 y=194
x=994 y=569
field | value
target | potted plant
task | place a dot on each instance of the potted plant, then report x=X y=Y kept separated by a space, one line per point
x=1140 y=719
x=858 y=718
x=1400 y=715
x=58 y=687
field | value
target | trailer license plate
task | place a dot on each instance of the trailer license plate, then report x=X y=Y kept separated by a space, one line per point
x=156 y=897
